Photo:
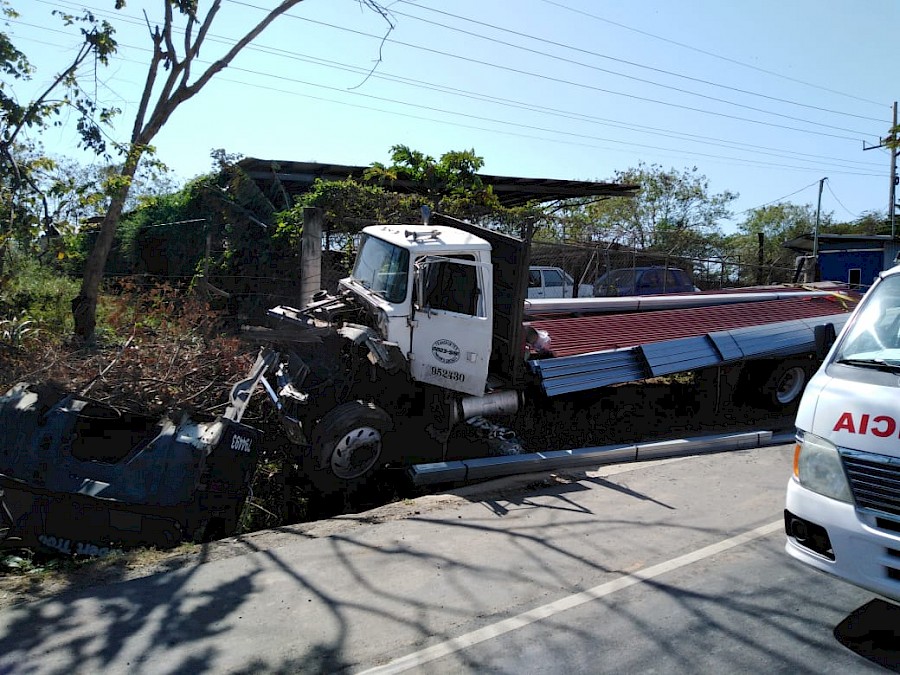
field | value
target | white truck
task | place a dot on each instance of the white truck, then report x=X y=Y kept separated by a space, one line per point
x=842 y=511
x=554 y=282
x=431 y=334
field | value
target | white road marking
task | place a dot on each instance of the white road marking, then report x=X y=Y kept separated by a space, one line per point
x=475 y=637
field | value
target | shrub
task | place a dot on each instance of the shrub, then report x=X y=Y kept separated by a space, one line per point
x=38 y=293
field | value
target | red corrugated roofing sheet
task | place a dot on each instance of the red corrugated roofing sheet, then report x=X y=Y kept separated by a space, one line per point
x=582 y=335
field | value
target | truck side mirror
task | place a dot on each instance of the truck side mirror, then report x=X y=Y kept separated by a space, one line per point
x=418 y=288
x=824 y=336
x=423 y=280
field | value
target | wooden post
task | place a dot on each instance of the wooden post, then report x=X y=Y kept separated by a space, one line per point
x=311 y=254
x=760 y=257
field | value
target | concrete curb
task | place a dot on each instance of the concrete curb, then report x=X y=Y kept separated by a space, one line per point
x=495 y=467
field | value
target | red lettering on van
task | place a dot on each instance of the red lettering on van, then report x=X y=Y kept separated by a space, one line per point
x=890 y=426
x=845 y=423
x=882 y=426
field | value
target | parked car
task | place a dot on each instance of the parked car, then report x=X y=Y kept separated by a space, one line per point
x=553 y=282
x=643 y=281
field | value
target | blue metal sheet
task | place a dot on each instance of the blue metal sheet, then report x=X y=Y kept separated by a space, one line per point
x=676 y=356
x=569 y=374
x=726 y=345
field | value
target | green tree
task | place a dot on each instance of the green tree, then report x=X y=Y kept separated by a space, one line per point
x=26 y=194
x=171 y=81
x=450 y=184
x=777 y=223
x=674 y=211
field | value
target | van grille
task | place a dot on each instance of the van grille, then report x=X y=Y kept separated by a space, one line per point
x=874 y=480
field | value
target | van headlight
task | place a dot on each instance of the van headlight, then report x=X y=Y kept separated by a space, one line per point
x=818 y=467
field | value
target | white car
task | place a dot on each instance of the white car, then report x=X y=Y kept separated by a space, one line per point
x=553 y=282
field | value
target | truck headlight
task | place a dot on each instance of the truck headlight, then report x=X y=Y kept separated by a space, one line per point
x=817 y=467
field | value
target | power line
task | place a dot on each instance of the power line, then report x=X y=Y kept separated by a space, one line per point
x=623 y=61
x=540 y=109
x=780 y=199
x=549 y=78
x=712 y=54
x=828 y=185
x=656 y=131
x=581 y=85
x=679 y=153
x=748 y=162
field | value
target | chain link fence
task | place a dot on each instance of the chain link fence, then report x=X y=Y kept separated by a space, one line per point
x=586 y=263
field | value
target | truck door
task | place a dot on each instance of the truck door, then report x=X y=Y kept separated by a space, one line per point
x=554 y=284
x=452 y=325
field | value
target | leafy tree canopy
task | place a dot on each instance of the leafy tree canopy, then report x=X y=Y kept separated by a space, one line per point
x=673 y=210
x=451 y=179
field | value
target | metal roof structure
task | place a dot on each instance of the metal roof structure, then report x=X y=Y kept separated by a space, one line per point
x=287 y=179
x=804 y=243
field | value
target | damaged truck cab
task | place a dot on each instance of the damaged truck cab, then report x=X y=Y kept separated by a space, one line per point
x=416 y=331
x=429 y=290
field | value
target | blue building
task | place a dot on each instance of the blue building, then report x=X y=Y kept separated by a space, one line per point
x=854 y=259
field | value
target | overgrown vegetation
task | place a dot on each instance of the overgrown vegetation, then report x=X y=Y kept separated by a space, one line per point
x=161 y=350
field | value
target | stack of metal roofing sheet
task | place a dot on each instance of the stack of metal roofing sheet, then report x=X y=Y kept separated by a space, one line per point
x=538 y=307
x=637 y=346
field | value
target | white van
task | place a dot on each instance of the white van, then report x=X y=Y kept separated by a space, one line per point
x=842 y=512
x=553 y=282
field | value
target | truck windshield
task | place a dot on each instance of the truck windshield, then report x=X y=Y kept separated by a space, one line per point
x=382 y=268
x=874 y=338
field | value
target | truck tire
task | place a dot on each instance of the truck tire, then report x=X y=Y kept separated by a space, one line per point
x=347 y=445
x=785 y=385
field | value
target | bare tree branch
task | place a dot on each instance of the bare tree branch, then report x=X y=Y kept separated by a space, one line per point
x=383 y=12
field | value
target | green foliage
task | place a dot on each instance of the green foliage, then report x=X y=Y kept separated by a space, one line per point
x=673 y=211
x=13 y=332
x=37 y=292
x=26 y=196
x=450 y=184
x=348 y=206
x=777 y=223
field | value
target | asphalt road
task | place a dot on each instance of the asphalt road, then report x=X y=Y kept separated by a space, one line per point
x=674 y=566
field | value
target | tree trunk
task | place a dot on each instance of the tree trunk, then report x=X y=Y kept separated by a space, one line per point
x=84 y=305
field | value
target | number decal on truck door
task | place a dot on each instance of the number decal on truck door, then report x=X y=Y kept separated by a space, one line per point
x=451 y=375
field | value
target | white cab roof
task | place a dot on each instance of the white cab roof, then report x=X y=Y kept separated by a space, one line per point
x=422 y=240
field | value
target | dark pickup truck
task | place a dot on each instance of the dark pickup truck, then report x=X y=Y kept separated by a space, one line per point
x=643 y=281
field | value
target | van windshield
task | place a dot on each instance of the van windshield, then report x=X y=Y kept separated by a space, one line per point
x=382 y=268
x=875 y=334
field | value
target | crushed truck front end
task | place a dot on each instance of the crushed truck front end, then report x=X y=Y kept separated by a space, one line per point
x=842 y=510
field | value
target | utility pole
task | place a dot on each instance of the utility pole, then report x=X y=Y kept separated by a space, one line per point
x=815 y=255
x=892 y=207
x=890 y=142
x=816 y=231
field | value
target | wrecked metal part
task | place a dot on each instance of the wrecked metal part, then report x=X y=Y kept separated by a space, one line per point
x=381 y=353
x=241 y=392
x=82 y=477
x=327 y=309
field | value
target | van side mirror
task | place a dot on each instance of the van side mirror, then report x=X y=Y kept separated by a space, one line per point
x=824 y=336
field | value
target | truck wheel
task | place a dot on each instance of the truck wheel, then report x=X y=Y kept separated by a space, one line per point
x=347 y=444
x=785 y=384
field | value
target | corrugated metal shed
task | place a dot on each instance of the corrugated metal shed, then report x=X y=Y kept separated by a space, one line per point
x=284 y=180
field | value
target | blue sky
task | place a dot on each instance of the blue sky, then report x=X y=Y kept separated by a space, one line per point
x=764 y=98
